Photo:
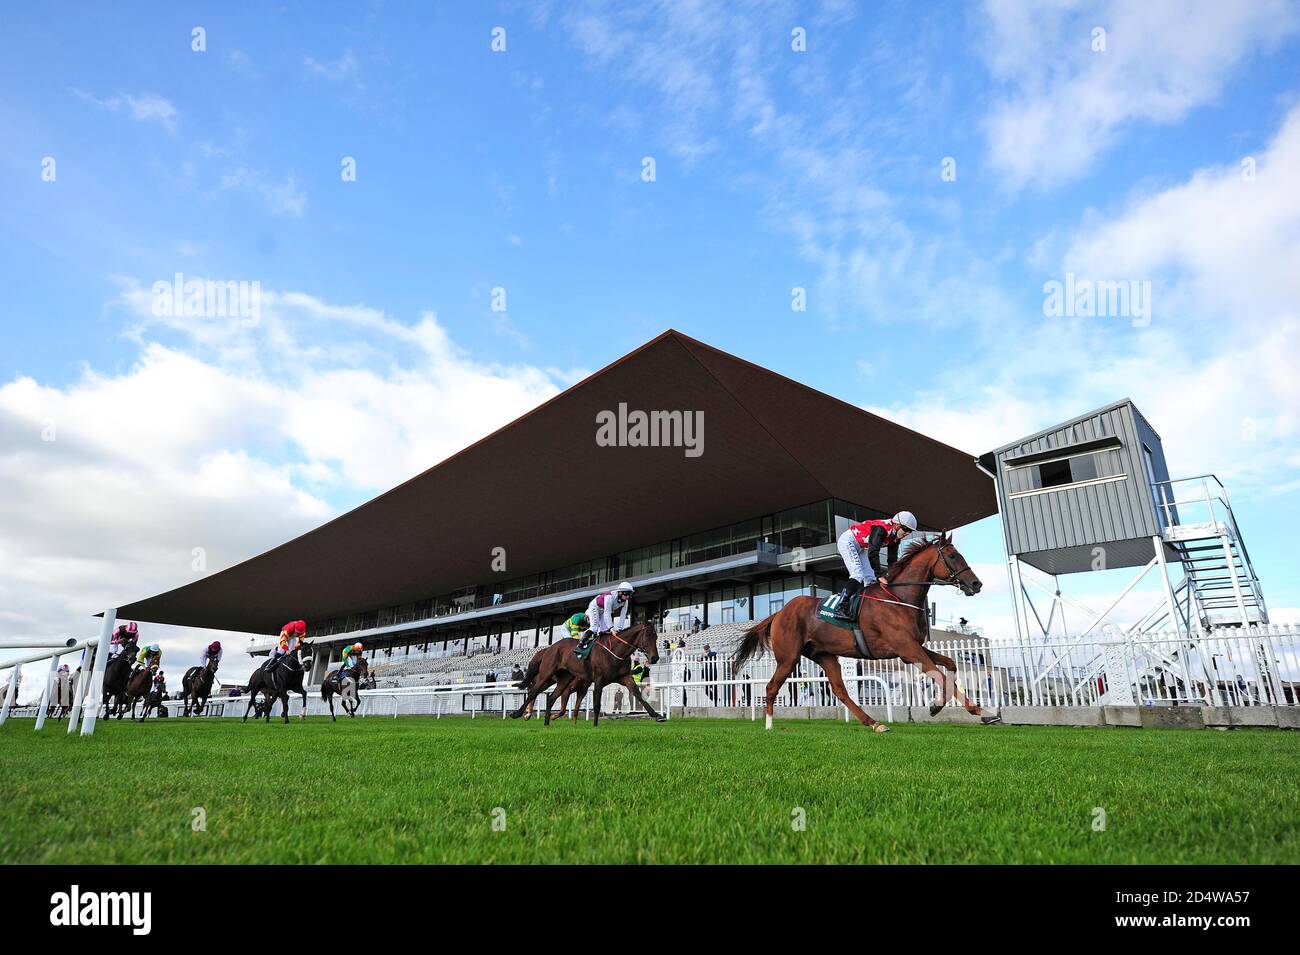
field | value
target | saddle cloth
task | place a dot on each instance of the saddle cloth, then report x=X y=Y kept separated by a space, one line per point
x=826 y=613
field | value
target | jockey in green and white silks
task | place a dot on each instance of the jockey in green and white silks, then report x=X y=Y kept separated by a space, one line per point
x=607 y=611
x=351 y=654
x=577 y=625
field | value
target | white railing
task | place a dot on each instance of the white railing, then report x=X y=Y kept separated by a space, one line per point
x=1255 y=666
x=456 y=699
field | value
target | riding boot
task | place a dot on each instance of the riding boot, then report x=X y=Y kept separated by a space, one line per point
x=842 y=609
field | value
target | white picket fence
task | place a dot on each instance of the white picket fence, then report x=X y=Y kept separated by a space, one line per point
x=1256 y=666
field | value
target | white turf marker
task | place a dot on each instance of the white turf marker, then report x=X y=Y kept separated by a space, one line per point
x=97 y=680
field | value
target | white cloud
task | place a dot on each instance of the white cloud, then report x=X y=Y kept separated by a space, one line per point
x=1216 y=361
x=282 y=196
x=143 y=107
x=228 y=447
x=1067 y=104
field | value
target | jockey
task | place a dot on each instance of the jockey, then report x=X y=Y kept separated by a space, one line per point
x=871 y=535
x=150 y=656
x=351 y=654
x=291 y=635
x=577 y=625
x=601 y=612
x=123 y=637
x=212 y=652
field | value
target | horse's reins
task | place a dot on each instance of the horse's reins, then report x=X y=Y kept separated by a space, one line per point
x=933 y=582
x=620 y=640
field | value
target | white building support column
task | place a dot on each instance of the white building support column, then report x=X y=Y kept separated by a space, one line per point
x=97 y=679
x=45 y=693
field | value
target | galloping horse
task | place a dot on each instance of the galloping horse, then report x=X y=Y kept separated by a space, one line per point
x=277 y=680
x=347 y=689
x=564 y=684
x=197 y=685
x=138 y=687
x=116 y=673
x=892 y=620
x=606 y=663
x=61 y=696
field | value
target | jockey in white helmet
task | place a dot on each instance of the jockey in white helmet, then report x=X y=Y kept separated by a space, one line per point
x=870 y=536
x=607 y=611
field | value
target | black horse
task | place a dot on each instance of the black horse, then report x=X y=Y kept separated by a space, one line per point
x=116 y=673
x=152 y=701
x=277 y=679
x=197 y=686
x=347 y=691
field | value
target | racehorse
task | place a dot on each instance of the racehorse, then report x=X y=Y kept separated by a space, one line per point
x=564 y=685
x=608 y=661
x=116 y=673
x=346 y=688
x=197 y=685
x=277 y=680
x=138 y=686
x=893 y=623
x=61 y=693
x=152 y=700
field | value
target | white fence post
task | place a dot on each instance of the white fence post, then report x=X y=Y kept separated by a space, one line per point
x=44 y=705
x=97 y=678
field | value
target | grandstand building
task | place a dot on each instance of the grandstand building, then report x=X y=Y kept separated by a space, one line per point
x=715 y=486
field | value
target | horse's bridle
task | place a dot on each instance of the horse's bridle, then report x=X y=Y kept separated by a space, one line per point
x=950 y=581
x=953 y=572
x=632 y=647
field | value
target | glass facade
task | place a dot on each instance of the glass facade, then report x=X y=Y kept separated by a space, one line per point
x=806 y=526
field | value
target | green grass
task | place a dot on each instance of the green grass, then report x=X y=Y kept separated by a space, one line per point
x=421 y=790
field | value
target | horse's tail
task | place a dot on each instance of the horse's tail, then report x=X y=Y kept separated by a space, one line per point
x=756 y=639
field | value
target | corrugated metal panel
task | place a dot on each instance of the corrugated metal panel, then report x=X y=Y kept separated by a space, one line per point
x=1078 y=517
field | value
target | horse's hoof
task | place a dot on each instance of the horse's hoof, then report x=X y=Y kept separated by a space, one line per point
x=990 y=720
x=935 y=711
x=880 y=728
x=661 y=719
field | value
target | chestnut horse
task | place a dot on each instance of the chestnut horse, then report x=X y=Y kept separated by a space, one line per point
x=607 y=662
x=564 y=684
x=892 y=619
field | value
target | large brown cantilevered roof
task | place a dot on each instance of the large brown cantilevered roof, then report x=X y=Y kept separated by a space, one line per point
x=542 y=489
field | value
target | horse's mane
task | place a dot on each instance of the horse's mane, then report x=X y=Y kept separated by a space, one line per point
x=911 y=550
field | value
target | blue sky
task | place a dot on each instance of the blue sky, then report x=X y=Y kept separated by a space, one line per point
x=1120 y=156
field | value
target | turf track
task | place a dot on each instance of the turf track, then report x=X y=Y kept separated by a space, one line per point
x=423 y=790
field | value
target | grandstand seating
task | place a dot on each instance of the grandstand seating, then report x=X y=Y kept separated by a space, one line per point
x=723 y=639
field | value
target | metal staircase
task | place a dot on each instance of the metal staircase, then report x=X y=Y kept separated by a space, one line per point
x=1219 y=587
